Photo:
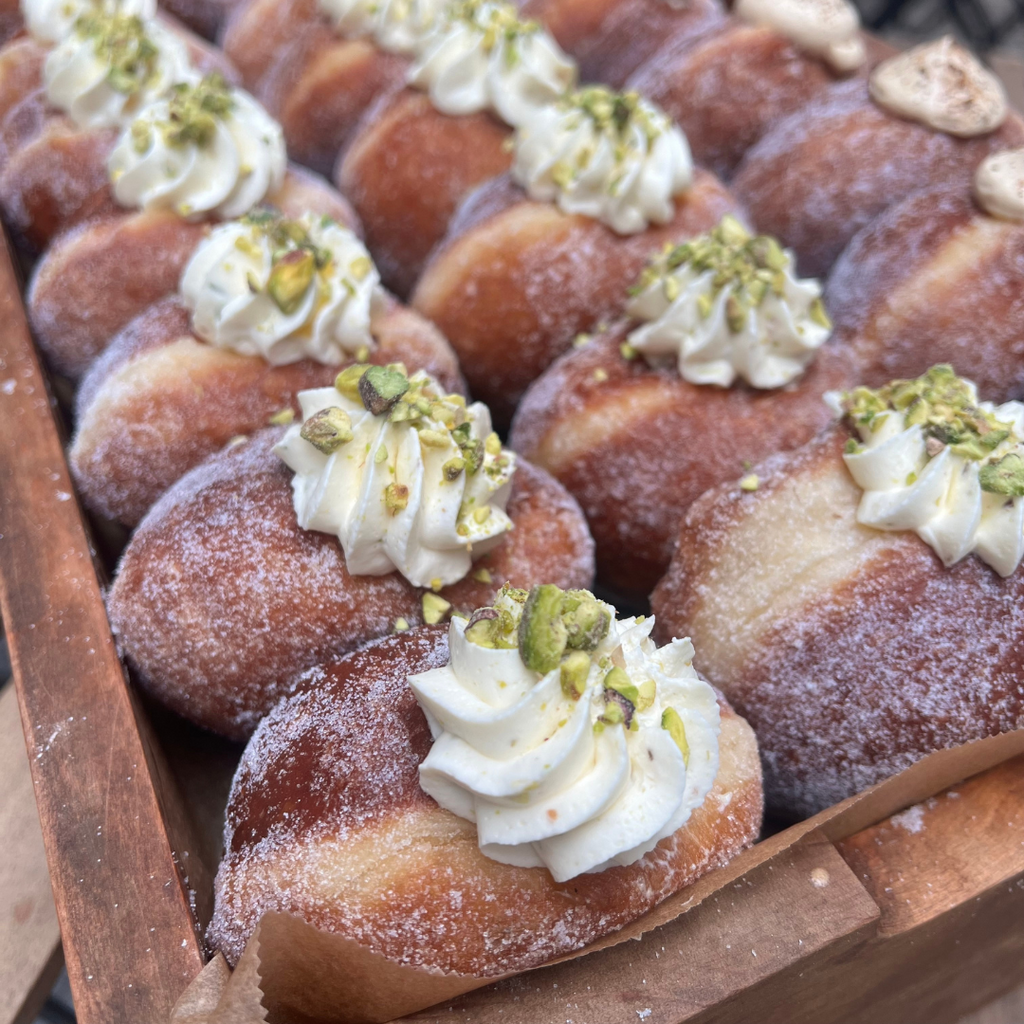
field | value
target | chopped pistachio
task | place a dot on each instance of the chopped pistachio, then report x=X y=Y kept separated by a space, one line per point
x=750 y=482
x=327 y=430
x=582 y=340
x=396 y=498
x=381 y=455
x=647 y=692
x=543 y=635
x=671 y=721
x=492 y=629
x=600 y=375
x=435 y=608
x=347 y=382
x=283 y=417
x=381 y=386
x=401 y=625
x=492 y=444
x=575 y=669
x=290 y=279
x=434 y=438
x=482 y=575
x=453 y=468
x=587 y=621
x=1005 y=476
x=819 y=316
x=628 y=352
x=619 y=681
x=194 y=110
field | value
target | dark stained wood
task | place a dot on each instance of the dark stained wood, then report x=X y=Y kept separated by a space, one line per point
x=111 y=822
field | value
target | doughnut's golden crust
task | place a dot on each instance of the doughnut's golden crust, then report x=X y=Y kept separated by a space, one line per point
x=826 y=171
x=96 y=277
x=638 y=446
x=516 y=280
x=853 y=652
x=314 y=82
x=221 y=599
x=611 y=38
x=327 y=821
x=934 y=280
x=406 y=171
x=160 y=401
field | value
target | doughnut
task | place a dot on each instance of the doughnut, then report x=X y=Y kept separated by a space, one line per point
x=844 y=645
x=221 y=599
x=327 y=821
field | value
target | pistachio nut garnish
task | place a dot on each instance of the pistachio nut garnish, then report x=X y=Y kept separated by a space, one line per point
x=727 y=304
x=435 y=608
x=934 y=459
x=327 y=430
x=120 y=42
x=577 y=767
x=50 y=22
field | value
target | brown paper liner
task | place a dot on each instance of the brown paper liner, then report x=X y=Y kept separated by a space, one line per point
x=307 y=976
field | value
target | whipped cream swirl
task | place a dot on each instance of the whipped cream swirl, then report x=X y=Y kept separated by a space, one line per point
x=942 y=86
x=827 y=29
x=611 y=156
x=49 y=21
x=482 y=56
x=728 y=305
x=399 y=26
x=109 y=66
x=206 y=149
x=419 y=486
x=999 y=184
x=936 y=461
x=284 y=290
x=574 y=776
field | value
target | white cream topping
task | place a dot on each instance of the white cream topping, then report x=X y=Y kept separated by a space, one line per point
x=285 y=291
x=391 y=494
x=999 y=184
x=49 y=21
x=912 y=481
x=827 y=29
x=942 y=86
x=227 y=159
x=481 y=56
x=729 y=305
x=106 y=69
x=614 y=157
x=546 y=781
x=399 y=26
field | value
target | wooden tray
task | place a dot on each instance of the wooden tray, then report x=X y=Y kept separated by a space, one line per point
x=914 y=919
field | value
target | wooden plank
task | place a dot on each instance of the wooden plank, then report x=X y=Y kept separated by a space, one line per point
x=30 y=952
x=110 y=821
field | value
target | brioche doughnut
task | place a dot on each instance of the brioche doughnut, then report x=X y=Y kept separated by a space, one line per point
x=95 y=277
x=315 y=82
x=636 y=446
x=934 y=279
x=221 y=599
x=327 y=821
x=844 y=646
x=406 y=171
x=515 y=280
x=826 y=171
x=611 y=38
x=156 y=372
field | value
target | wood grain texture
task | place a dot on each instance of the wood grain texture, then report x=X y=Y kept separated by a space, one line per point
x=30 y=953
x=110 y=821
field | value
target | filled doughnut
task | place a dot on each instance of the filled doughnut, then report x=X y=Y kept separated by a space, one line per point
x=927 y=117
x=710 y=374
x=360 y=805
x=222 y=597
x=598 y=182
x=862 y=616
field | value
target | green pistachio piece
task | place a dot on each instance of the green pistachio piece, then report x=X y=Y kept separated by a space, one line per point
x=671 y=721
x=396 y=498
x=327 y=430
x=290 y=279
x=819 y=316
x=347 y=382
x=647 y=692
x=435 y=608
x=543 y=635
x=194 y=111
x=586 y=620
x=380 y=387
x=575 y=670
x=1006 y=476
x=453 y=468
x=491 y=628
x=735 y=313
x=613 y=714
x=619 y=682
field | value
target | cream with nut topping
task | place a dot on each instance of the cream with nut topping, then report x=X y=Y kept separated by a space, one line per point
x=110 y=65
x=283 y=289
x=942 y=86
x=405 y=476
x=565 y=734
x=482 y=56
x=205 y=149
x=828 y=29
x=936 y=461
x=999 y=184
x=49 y=21
x=611 y=156
x=399 y=26
x=728 y=305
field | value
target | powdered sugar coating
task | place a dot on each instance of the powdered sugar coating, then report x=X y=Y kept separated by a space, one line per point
x=221 y=600
x=854 y=653
x=823 y=173
x=327 y=821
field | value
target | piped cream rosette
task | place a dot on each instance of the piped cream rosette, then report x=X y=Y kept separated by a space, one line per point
x=49 y=21
x=407 y=477
x=611 y=156
x=284 y=289
x=728 y=305
x=481 y=55
x=934 y=460
x=205 y=149
x=565 y=734
x=398 y=26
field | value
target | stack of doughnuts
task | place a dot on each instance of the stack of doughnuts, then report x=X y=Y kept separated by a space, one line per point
x=394 y=322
